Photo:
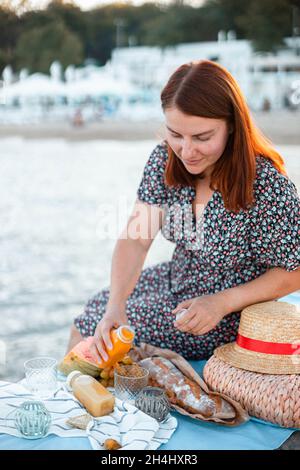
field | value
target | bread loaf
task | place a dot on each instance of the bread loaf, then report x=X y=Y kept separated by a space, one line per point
x=183 y=391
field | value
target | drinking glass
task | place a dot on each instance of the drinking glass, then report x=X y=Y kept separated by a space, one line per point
x=128 y=387
x=41 y=376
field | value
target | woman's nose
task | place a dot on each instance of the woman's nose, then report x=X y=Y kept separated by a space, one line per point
x=187 y=149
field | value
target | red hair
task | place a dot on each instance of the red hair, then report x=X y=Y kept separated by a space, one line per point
x=207 y=89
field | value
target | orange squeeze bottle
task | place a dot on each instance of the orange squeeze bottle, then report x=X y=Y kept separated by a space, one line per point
x=122 y=339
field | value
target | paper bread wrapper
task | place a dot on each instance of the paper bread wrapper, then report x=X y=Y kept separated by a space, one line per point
x=236 y=416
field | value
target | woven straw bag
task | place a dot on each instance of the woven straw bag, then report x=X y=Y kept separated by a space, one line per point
x=274 y=398
x=261 y=369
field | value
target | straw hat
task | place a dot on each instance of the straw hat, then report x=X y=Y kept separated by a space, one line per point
x=268 y=339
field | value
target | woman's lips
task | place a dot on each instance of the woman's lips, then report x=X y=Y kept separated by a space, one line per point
x=191 y=162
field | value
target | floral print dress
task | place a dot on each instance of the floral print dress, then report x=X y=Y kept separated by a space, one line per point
x=219 y=250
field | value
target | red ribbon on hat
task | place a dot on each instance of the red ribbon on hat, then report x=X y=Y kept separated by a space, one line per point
x=256 y=345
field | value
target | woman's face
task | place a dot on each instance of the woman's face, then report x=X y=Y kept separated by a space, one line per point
x=197 y=141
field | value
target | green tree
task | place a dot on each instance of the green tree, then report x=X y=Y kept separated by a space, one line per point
x=100 y=38
x=267 y=22
x=136 y=18
x=38 y=48
x=227 y=13
x=264 y=22
x=34 y=38
x=101 y=27
x=10 y=29
x=182 y=23
x=71 y=15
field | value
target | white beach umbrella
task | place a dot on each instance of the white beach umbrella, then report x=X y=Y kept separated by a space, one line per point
x=34 y=87
x=100 y=85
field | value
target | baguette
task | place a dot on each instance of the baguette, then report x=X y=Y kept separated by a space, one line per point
x=184 y=392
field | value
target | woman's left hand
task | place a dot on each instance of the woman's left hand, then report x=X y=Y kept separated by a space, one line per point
x=203 y=314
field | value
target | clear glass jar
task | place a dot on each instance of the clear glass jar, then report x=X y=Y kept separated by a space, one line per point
x=32 y=419
x=154 y=402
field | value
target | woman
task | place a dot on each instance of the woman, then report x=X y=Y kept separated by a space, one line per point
x=218 y=189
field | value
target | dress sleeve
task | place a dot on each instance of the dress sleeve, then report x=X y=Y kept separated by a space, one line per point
x=275 y=231
x=152 y=188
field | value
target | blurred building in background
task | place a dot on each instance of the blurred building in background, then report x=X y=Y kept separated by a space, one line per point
x=263 y=77
x=129 y=85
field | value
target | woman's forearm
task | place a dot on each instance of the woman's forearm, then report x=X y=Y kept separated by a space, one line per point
x=127 y=263
x=271 y=285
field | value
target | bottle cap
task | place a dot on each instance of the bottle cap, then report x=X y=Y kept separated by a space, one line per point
x=71 y=376
x=126 y=333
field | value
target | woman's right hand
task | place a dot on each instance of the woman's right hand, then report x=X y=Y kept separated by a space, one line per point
x=113 y=317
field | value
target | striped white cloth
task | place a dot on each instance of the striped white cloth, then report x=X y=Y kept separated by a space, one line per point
x=132 y=428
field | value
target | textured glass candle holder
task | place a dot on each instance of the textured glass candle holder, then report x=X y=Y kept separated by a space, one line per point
x=41 y=376
x=128 y=387
x=154 y=402
x=32 y=419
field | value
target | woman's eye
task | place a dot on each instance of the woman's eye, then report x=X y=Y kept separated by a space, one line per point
x=176 y=136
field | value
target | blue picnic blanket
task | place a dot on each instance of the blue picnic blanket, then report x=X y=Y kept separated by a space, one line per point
x=190 y=434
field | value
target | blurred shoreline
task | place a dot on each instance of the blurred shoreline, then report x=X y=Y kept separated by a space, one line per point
x=280 y=126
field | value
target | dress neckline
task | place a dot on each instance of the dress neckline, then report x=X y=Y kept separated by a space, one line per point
x=210 y=201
